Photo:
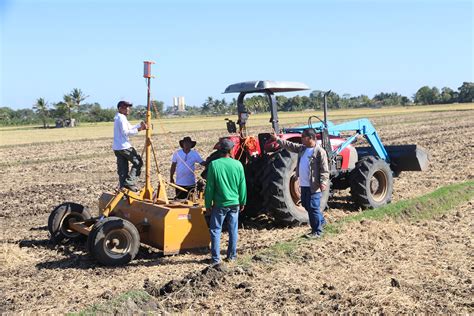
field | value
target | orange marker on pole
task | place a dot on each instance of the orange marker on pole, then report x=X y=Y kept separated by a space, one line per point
x=147 y=69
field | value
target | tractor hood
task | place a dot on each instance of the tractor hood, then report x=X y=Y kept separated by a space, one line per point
x=266 y=85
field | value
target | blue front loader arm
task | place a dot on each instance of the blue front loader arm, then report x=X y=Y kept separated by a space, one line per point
x=361 y=127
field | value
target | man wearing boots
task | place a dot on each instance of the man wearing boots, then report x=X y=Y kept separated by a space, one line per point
x=123 y=150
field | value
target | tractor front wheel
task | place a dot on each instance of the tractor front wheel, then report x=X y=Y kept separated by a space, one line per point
x=114 y=242
x=58 y=221
x=371 y=182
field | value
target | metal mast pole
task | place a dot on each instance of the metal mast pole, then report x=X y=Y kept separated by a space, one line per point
x=148 y=194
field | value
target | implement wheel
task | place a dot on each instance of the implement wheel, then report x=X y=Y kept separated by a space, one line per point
x=58 y=221
x=114 y=242
x=93 y=233
x=371 y=182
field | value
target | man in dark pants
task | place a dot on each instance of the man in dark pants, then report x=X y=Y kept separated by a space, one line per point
x=123 y=150
x=312 y=170
x=226 y=193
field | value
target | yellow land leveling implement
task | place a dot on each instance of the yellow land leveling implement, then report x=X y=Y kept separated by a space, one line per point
x=128 y=218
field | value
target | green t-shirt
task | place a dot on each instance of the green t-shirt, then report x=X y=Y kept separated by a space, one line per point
x=225 y=185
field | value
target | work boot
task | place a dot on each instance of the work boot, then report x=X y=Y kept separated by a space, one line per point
x=131 y=187
x=313 y=236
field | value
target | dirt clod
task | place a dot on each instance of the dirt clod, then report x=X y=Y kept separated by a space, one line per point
x=394 y=282
x=107 y=295
x=243 y=285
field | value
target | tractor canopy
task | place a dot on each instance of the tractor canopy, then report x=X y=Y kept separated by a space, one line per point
x=269 y=88
x=266 y=85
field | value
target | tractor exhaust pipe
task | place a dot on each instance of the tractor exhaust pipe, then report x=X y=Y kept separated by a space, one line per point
x=325 y=108
x=326 y=142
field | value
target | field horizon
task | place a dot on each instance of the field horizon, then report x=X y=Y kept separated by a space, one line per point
x=36 y=134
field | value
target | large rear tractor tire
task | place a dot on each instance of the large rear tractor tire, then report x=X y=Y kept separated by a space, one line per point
x=114 y=242
x=281 y=190
x=253 y=173
x=253 y=178
x=371 y=182
x=58 y=221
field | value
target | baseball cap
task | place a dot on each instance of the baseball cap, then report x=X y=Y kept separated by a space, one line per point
x=124 y=103
x=226 y=144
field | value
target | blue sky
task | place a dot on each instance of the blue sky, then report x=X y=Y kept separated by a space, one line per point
x=48 y=48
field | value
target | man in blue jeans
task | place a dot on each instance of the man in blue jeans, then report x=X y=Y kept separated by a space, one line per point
x=225 y=196
x=312 y=170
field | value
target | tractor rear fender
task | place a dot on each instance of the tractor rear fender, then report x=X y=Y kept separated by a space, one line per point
x=272 y=146
x=348 y=155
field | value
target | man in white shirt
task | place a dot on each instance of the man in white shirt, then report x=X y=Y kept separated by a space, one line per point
x=123 y=150
x=183 y=162
x=312 y=169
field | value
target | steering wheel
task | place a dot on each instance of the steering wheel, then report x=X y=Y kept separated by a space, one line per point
x=310 y=124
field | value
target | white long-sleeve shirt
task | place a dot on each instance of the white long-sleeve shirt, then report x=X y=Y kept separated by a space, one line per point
x=122 y=130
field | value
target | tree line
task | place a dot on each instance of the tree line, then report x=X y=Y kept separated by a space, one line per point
x=73 y=107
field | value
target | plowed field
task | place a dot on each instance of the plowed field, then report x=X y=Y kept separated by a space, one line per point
x=431 y=261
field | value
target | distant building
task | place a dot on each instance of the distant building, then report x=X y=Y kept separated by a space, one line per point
x=178 y=103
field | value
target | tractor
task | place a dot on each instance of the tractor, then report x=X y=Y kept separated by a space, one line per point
x=272 y=186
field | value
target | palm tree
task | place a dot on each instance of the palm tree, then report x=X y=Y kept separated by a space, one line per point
x=207 y=105
x=73 y=100
x=217 y=107
x=69 y=104
x=77 y=96
x=41 y=108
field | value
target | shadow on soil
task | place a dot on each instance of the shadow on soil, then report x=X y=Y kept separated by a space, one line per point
x=265 y=221
x=342 y=202
x=78 y=258
x=39 y=228
x=37 y=243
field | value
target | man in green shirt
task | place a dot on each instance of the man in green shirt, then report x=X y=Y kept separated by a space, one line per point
x=225 y=195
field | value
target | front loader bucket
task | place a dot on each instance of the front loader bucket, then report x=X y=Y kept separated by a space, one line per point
x=402 y=157
x=407 y=158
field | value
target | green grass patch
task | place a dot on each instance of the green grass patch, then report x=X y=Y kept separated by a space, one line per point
x=281 y=249
x=423 y=207
x=116 y=305
x=427 y=206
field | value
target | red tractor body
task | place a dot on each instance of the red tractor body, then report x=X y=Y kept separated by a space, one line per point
x=272 y=186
